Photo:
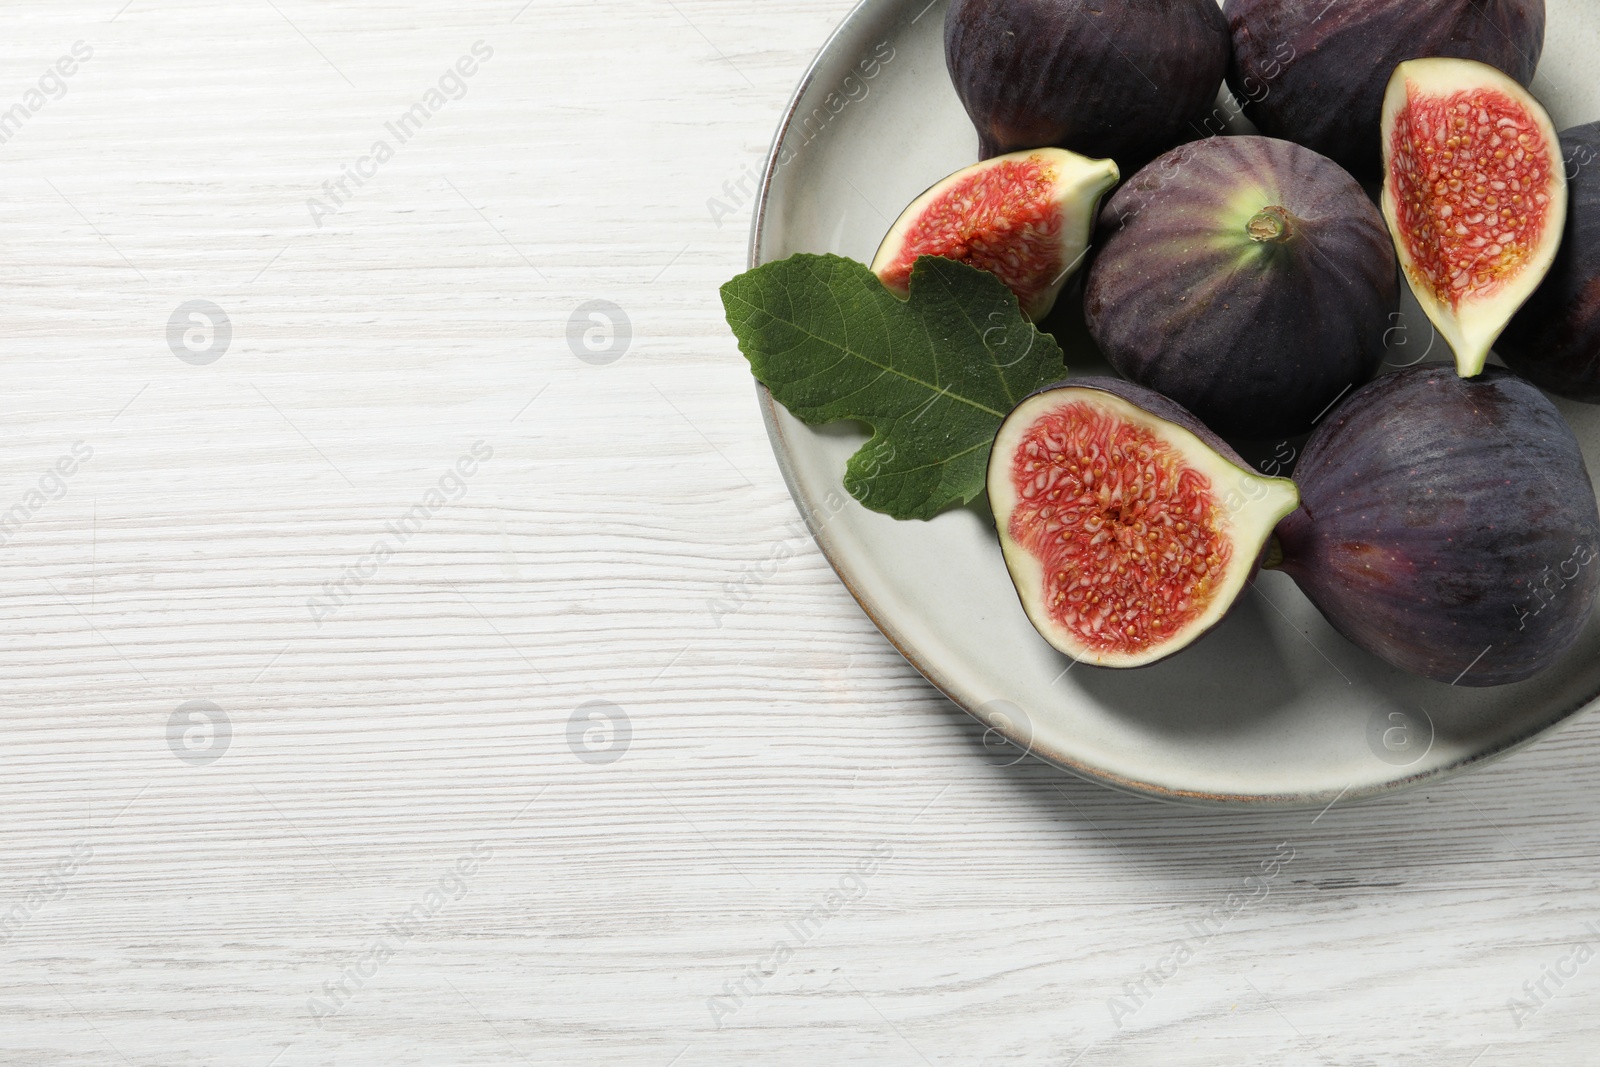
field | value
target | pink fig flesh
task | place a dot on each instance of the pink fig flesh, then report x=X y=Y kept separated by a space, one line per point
x=1024 y=218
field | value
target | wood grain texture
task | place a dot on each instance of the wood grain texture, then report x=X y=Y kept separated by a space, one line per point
x=185 y=913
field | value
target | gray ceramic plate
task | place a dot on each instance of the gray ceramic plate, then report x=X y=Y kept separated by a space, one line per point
x=1275 y=709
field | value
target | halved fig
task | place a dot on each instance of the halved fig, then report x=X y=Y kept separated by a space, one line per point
x=1554 y=341
x=1129 y=528
x=1249 y=279
x=1475 y=193
x=1448 y=525
x=1024 y=217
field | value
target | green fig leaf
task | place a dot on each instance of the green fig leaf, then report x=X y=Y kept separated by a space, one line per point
x=933 y=375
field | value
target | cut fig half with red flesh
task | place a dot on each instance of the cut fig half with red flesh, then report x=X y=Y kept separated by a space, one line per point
x=1129 y=528
x=1025 y=218
x=1475 y=194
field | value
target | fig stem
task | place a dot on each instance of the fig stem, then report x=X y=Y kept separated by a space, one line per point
x=1274 y=556
x=1270 y=225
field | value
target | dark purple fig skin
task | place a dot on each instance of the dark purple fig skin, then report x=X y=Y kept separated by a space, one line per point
x=1448 y=525
x=1119 y=79
x=1315 y=71
x=1257 y=339
x=1554 y=341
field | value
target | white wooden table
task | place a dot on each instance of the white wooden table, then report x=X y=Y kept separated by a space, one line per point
x=289 y=660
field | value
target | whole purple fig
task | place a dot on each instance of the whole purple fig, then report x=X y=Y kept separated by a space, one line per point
x=1554 y=341
x=1315 y=72
x=1124 y=79
x=1448 y=525
x=1248 y=279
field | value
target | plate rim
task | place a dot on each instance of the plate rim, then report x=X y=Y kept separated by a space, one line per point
x=1029 y=746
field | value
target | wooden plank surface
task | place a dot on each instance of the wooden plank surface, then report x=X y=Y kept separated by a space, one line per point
x=399 y=534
